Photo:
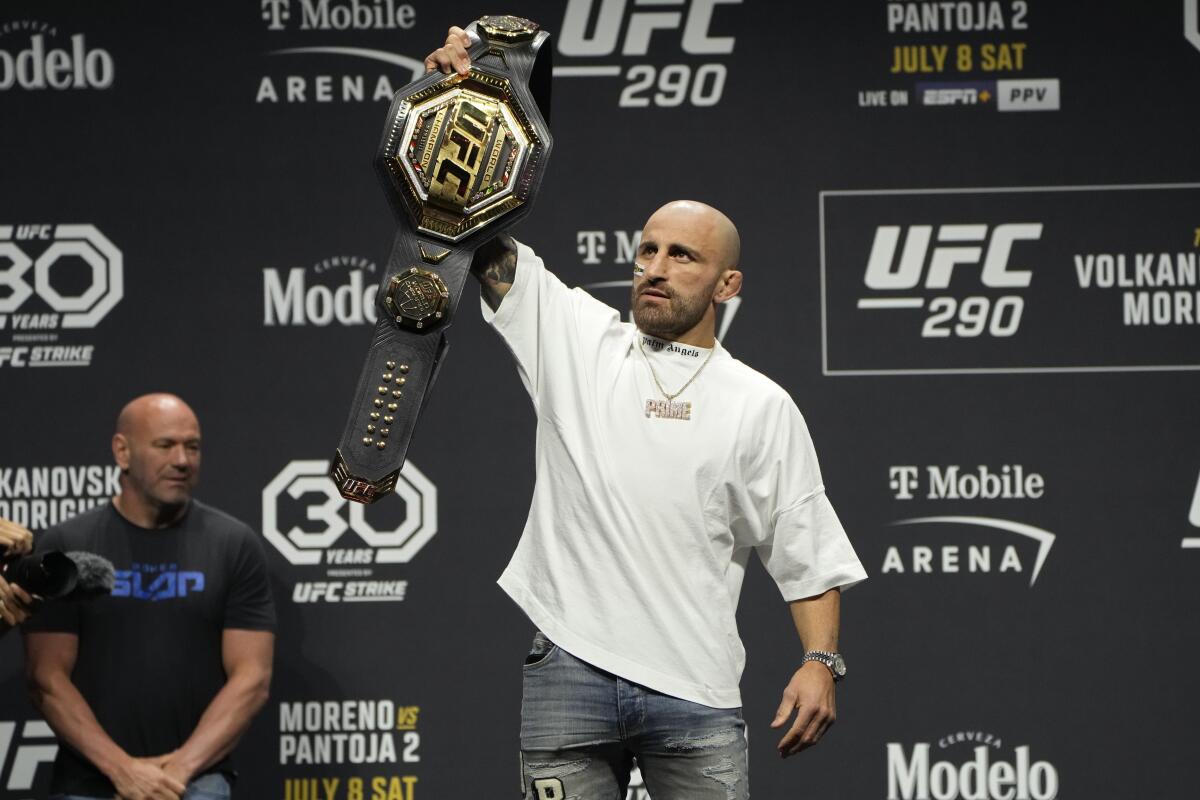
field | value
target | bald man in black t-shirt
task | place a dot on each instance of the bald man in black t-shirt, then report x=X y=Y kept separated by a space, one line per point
x=150 y=689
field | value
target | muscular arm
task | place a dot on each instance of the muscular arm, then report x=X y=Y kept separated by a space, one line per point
x=810 y=692
x=495 y=264
x=247 y=656
x=495 y=267
x=49 y=660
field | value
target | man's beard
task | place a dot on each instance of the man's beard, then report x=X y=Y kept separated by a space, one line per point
x=668 y=320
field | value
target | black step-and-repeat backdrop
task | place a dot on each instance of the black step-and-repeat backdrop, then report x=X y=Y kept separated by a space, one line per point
x=971 y=240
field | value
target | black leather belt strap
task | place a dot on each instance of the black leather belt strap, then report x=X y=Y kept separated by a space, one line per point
x=461 y=159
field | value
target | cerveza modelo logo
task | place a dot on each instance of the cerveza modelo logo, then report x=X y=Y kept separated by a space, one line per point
x=156 y=582
x=337 y=289
x=46 y=61
x=921 y=772
x=327 y=71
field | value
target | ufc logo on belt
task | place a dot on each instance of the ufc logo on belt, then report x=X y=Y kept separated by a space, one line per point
x=459 y=155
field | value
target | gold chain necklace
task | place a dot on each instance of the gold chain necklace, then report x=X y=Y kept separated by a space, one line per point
x=654 y=374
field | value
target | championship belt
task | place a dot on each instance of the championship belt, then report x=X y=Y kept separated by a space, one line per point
x=461 y=159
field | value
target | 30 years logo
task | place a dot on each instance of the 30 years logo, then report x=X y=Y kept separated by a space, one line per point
x=394 y=545
x=305 y=518
x=55 y=277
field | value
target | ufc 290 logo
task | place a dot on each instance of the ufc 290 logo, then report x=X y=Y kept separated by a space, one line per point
x=970 y=254
x=31 y=256
x=21 y=754
x=302 y=491
x=630 y=28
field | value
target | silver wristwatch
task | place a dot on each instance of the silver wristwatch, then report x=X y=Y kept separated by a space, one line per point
x=835 y=662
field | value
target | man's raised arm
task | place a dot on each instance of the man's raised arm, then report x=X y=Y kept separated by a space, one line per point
x=495 y=264
x=495 y=267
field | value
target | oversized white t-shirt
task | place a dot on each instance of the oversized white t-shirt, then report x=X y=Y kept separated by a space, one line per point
x=641 y=522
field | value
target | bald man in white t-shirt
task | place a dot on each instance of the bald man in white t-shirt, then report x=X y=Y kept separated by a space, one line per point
x=662 y=462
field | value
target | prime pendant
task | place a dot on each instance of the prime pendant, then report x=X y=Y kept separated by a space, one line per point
x=668 y=409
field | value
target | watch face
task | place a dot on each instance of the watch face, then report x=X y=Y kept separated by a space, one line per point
x=839 y=664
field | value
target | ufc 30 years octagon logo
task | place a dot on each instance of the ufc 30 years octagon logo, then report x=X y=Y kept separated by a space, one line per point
x=306 y=483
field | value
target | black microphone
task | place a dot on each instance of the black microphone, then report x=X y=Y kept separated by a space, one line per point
x=55 y=575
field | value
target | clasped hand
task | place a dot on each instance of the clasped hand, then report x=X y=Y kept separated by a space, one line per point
x=156 y=778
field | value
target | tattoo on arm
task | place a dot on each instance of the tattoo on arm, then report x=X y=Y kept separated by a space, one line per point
x=495 y=267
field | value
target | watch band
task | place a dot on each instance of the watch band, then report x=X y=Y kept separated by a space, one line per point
x=461 y=159
x=834 y=661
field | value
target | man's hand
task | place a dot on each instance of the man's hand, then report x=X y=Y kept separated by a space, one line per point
x=172 y=765
x=145 y=779
x=15 y=604
x=810 y=694
x=174 y=768
x=452 y=56
x=15 y=540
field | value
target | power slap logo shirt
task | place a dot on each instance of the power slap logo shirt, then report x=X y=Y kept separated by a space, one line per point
x=149 y=657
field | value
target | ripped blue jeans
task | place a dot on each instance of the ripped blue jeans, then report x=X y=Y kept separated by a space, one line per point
x=581 y=728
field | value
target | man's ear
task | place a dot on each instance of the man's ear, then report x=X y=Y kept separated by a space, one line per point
x=729 y=286
x=120 y=450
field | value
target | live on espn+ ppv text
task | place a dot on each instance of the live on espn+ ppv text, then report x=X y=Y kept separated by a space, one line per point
x=970 y=243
